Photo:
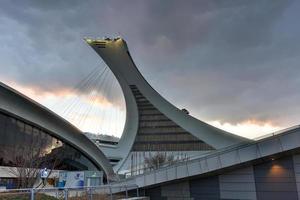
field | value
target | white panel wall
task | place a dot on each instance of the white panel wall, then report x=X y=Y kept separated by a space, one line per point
x=238 y=184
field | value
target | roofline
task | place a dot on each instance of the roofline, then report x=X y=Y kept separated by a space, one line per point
x=24 y=107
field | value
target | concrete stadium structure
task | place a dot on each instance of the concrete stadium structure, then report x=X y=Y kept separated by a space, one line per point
x=21 y=119
x=226 y=167
x=152 y=123
x=268 y=168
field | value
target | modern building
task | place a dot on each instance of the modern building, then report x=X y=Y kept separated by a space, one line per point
x=102 y=139
x=152 y=123
x=227 y=166
x=32 y=135
x=268 y=168
x=105 y=141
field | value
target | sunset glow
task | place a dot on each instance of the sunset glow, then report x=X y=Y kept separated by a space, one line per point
x=109 y=118
x=250 y=129
x=104 y=116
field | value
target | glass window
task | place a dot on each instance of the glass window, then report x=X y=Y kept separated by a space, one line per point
x=23 y=144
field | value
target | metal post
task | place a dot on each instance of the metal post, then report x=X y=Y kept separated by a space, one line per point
x=111 y=195
x=137 y=192
x=66 y=194
x=32 y=193
x=90 y=193
x=126 y=191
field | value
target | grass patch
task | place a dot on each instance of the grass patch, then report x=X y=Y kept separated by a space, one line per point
x=22 y=196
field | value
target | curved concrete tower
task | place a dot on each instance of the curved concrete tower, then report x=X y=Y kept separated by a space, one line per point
x=152 y=123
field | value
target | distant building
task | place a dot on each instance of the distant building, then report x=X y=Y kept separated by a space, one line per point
x=102 y=139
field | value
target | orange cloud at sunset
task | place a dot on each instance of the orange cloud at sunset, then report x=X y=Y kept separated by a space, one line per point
x=250 y=128
x=95 y=113
x=40 y=95
x=89 y=112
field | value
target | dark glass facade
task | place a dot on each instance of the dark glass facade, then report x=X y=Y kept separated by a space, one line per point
x=23 y=144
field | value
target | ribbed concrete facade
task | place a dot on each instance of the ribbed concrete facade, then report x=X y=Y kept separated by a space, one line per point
x=156 y=132
x=271 y=180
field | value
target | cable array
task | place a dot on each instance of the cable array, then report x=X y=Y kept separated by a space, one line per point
x=95 y=104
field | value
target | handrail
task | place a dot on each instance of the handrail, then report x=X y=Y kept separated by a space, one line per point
x=137 y=172
x=71 y=188
x=67 y=192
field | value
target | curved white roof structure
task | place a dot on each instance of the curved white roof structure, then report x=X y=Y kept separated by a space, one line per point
x=19 y=105
x=153 y=106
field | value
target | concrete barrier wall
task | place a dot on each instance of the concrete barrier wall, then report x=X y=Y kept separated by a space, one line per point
x=276 y=180
x=271 y=179
x=238 y=184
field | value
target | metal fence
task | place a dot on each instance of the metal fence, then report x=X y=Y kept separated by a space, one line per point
x=105 y=192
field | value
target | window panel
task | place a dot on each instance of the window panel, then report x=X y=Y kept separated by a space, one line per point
x=23 y=139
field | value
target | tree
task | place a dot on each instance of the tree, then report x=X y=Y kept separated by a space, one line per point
x=159 y=159
x=30 y=157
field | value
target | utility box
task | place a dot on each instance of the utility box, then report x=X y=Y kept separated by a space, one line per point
x=93 y=178
x=73 y=179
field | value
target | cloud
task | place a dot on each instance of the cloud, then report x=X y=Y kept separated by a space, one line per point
x=91 y=112
x=251 y=129
x=226 y=61
x=92 y=97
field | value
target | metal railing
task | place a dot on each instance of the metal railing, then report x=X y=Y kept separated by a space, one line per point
x=175 y=162
x=104 y=192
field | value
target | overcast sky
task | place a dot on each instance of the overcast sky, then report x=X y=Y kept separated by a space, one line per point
x=234 y=64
